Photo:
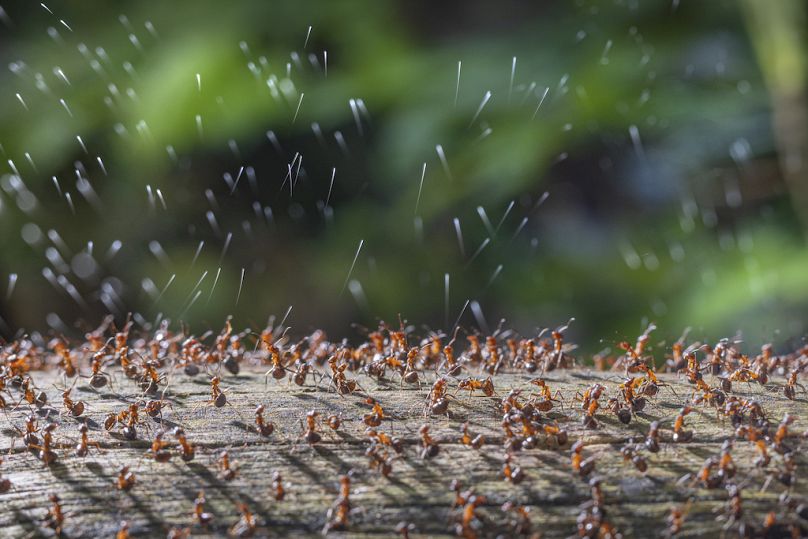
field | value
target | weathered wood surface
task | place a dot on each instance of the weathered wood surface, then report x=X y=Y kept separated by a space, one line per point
x=417 y=491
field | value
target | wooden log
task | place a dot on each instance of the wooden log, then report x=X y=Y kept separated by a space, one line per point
x=417 y=491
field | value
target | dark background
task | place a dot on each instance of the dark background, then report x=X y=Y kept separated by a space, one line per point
x=672 y=144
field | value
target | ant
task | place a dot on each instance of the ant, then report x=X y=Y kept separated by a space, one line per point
x=187 y=451
x=404 y=529
x=98 y=378
x=337 y=516
x=123 y=530
x=159 y=448
x=373 y=419
x=546 y=404
x=126 y=479
x=475 y=442
x=436 y=400
x=631 y=454
x=627 y=390
x=520 y=522
x=334 y=422
x=757 y=438
x=30 y=437
x=179 y=533
x=679 y=434
x=734 y=510
x=199 y=509
x=470 y=521
x=278 y=371
x=46 y=453
x=303 y=370
x=676 y=518
x=27 y=387
x=277 y=486
x=380 y=459
x=782 y=432
x=583 y=467
x=227 y=472
x=217 y=395
x=83 y=446
x=555 y=432
x=311 y=435
x=381 y=438
x=652 y=439
x=59 y=346
x=726 y=466
x=623 y=414
x=128 y=417
x=789 y=390
x=704 y=475
x=514 y=474
x=787 y=475
x=473 y=384
x=410 y=375
x=55 y=517
x=245 y=526
x=430 y=447
x=76 y=408
x=453 y=367
x=264 y=428
x=154 y=407
x=590 y=404
x=5 y=484
x=343 y=384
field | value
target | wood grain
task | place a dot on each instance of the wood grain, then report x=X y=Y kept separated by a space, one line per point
x=417 y=491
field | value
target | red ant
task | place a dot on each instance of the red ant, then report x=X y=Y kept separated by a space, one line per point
x=5 y=484
x=467 y=439
x=631 y=454
x=263 y=427
x=679 y=434
x=126 y=479
x=83 y=446
x=548 y=398
x=590 y=404
x=200 y=515
x=470 y=522
x=676 y=518
x=430 y=447
x=76 y=408
x=311 y=435
x=277 y=486
x=278 y=371
x=159 y=448
x=473 y=384
x=187 y=451
x=129 y=417
x=652 y=440
x=55 y=517
x=511 y=473
x=337 y=516
x=436 y=401
x=123 y=531
x=623 y=414
x=580 y=465
x=46 y=453
x=245 y=526
x=217 y=396
x=520 y=523
x=791 y=384
x=227 y=471
x=373 y=419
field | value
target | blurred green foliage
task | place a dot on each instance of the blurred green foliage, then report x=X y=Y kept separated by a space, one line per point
x=655 y=144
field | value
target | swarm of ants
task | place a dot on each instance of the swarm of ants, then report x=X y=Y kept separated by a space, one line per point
x=530 y=410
